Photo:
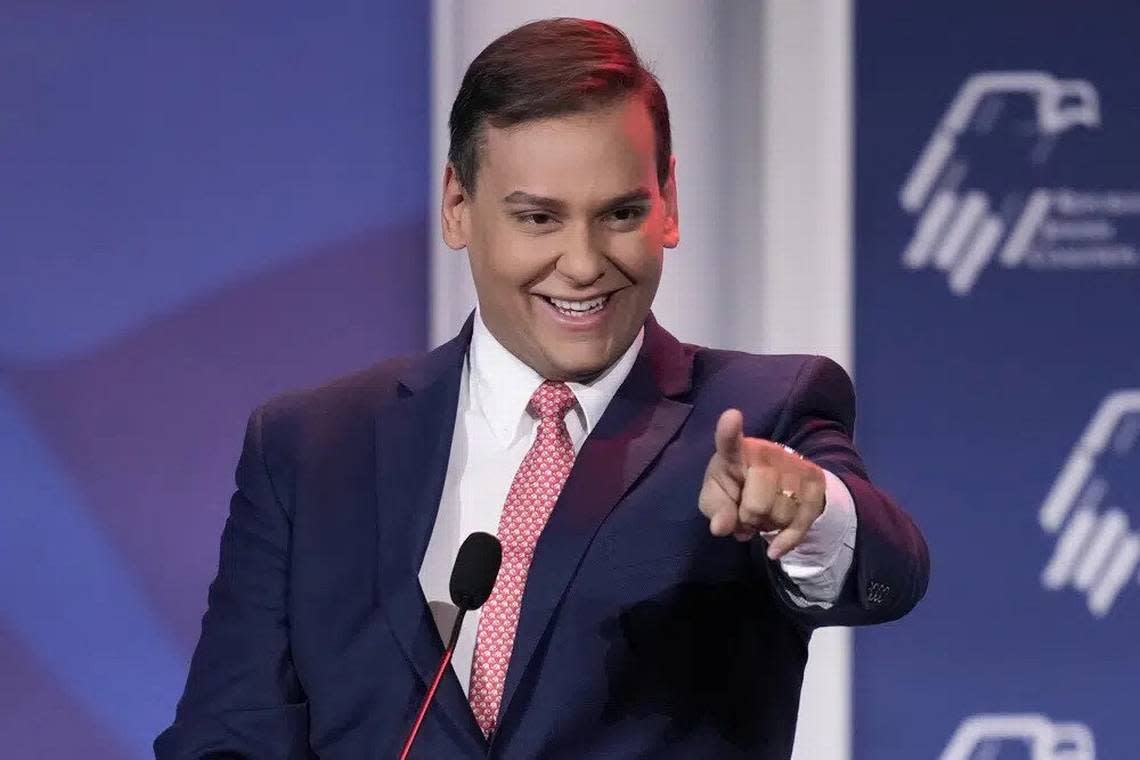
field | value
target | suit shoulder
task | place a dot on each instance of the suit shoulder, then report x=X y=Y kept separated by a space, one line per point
x=788 y=371
x=332 y=406
x=779 y=388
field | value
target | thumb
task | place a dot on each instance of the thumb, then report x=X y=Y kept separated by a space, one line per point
x=730 y=436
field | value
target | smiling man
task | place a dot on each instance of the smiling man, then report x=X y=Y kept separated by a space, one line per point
x=565 y=224
x=675 y=520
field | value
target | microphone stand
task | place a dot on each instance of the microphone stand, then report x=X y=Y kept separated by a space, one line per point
x=443 y=663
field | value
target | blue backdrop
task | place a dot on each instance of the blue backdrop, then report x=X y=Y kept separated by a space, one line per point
x=997 y=299
x=203 y=205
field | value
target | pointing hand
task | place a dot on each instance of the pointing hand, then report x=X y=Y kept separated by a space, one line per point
x=753 y=485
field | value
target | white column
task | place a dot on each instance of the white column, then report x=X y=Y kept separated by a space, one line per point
x=807 y=164
x=760 y=96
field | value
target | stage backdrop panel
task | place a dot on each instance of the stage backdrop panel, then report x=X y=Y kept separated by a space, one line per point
x=997 y=301
x=203 y=205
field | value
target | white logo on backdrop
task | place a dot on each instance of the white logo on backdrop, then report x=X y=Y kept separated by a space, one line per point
x=1097 y=552
x=986 y=736
x=958 y=229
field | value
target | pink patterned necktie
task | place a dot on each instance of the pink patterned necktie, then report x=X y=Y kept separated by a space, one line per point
x=529 y=503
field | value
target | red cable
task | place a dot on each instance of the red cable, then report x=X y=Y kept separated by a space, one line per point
x=426 y=703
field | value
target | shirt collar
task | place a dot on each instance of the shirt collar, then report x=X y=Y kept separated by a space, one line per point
x=502 y=384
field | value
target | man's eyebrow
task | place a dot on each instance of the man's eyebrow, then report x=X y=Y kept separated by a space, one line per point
x=518 y=197
x=639 y=195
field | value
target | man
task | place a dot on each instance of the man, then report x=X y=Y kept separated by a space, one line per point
x=675 y=520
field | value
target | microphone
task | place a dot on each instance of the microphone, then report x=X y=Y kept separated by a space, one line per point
x=476 y=567
x=472 y=579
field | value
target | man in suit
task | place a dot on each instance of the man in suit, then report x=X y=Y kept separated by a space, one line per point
x=676 y=520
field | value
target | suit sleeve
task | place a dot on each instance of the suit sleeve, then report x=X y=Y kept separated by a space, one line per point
x=891 y=565
x=242 y=696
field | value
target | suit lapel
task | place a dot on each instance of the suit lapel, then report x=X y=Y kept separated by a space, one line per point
x=413 y=441
x=643 y=416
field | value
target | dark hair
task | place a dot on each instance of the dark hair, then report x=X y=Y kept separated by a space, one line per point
x=549 y=68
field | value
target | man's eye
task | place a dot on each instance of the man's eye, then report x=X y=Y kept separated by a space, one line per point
x=628 y=214
x=536 y=218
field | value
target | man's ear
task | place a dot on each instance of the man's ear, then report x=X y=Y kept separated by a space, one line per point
x=454 y=211
x=672 y=215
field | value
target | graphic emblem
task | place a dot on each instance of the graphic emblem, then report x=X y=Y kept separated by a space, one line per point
x=1097 y=550
x=997 y=736
x=961 y=225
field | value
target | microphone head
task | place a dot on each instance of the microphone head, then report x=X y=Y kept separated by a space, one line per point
x=475 y=570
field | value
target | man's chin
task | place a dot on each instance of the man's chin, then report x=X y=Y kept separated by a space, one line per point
x=579 y=361
x=578 y=369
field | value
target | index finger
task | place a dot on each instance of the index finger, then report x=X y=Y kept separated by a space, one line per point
x=729 y=435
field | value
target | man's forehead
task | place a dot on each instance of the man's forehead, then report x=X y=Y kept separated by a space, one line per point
x=591 y=153
x=623 y=126
x=630 y=114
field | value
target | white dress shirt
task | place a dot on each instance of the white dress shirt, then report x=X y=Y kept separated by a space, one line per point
x=494 y=431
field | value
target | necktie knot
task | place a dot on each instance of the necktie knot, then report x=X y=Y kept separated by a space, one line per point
x=551 y=401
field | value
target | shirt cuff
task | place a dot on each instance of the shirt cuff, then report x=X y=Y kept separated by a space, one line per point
x=818 y=567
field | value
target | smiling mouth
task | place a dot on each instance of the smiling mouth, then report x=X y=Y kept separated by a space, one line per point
x=582 y=308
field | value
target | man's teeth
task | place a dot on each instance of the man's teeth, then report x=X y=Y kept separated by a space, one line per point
x=580 y=307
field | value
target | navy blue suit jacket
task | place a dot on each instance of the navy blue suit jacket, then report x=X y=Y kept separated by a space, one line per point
x=641 y=635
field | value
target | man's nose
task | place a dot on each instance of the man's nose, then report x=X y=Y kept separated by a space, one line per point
x=583 y=260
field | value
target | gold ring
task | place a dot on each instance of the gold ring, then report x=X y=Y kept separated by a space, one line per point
x=788 y=493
